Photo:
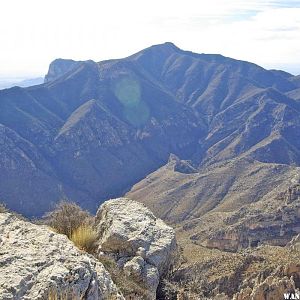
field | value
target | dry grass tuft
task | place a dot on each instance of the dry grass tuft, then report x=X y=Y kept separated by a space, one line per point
x=85 y=237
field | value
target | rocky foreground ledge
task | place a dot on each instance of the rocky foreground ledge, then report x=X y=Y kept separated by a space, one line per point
x=36 y=263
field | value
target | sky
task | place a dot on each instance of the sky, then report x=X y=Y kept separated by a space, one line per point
x=35 y=32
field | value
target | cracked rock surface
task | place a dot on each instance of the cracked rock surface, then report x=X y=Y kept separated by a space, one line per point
x=142 y=245
x=36 y=263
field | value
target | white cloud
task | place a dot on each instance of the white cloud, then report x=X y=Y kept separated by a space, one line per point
x=35 y=32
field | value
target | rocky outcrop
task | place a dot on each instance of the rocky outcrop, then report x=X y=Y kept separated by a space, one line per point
x=292 y=194
x=36 y=263
x=142 y=245
x=60 y=67
x=283 y=280
x=271 y=288
x=261 y=273
x=181 y=166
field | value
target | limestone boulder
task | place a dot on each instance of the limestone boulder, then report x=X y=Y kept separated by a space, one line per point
x=36 y=263
x=142 y=245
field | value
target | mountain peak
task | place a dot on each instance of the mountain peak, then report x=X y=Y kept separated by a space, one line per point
x=162 y=50
x=165 y=47
x=59 y=67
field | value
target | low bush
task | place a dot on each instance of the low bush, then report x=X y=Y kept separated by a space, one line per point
x=67 y=217
x=2 y=208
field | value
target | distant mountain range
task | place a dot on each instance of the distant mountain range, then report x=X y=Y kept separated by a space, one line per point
x=206 y=141
x=10 y=82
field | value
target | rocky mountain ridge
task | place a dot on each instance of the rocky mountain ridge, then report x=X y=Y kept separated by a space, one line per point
x=210 y=144
x=91 y=124
x=130 y=124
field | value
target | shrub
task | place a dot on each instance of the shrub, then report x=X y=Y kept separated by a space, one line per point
x=186 y=284
x=2 y=208
x=84 y=237
x=67 y=217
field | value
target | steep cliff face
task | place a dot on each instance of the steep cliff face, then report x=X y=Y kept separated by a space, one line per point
x=261 y=273
x=60 y=67
x=37 y=263
x=275 y=221
x=285 y=279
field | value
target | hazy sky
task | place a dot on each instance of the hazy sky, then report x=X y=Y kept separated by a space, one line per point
x=34 y=32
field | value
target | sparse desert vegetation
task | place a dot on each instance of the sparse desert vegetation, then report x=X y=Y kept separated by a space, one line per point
x=77 y=224
x=129 y=288
x=85 y=238
x=67 y=217
x=2 y=208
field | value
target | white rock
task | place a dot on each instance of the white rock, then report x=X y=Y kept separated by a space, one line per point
x=36 y=262
x=151 y=277
x=134 y=267
x=144 y=246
